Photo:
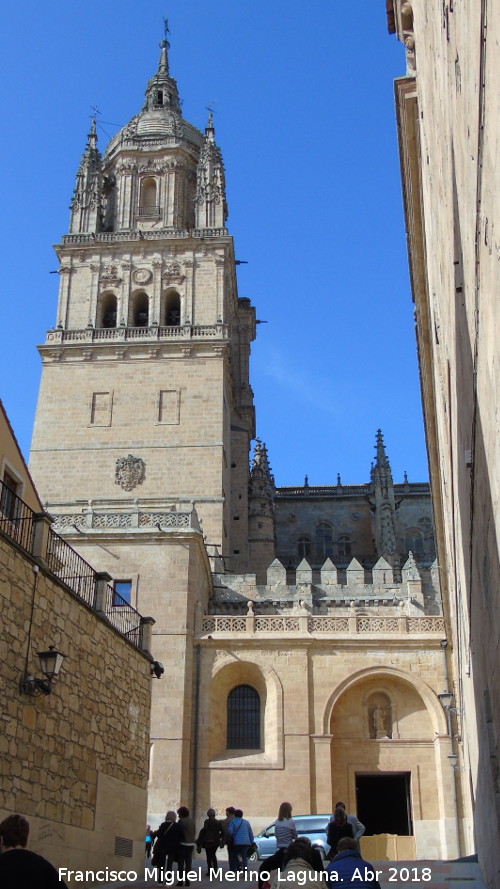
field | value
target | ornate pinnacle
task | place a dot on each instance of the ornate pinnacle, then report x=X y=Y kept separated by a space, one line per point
x=381 y=471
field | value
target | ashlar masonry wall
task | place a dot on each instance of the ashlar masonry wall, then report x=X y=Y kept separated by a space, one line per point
x=73 y=762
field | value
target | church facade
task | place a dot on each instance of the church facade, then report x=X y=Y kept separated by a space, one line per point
x=301 y=629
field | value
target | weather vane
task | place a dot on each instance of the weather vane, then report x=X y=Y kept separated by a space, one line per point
x=95 y=111
x=166 y=31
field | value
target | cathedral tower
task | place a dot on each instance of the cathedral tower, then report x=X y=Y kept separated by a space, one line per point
x=149 y=359
x=145 y=413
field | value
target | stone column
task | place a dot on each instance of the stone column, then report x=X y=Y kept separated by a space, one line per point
x=187 y=310
x=64 y=288
x=123 y=309
x=321 y=777
x=94 y=287
x=154 y=315
x=219 y=289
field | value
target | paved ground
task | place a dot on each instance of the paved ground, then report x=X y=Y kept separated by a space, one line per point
x=391 y=875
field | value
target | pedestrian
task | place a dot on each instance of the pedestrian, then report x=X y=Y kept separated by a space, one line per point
x=186 y=845
x=149 y=841
x=166 y=847
x=227 y=839
x=210 y=837
x=358 y=829
x=349 y=868
x=226 y=822
x=241 y=834
x=338 y=828
x=303 y=865
x=19 y=867
x=285 y=829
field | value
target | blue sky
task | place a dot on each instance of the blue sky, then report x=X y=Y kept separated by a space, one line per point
x=304 y=115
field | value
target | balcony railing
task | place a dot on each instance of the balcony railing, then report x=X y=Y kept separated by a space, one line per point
x=123 y=616
x=149 y=210
x=16 y=518
x=69 y=567
x=18 y=523
x=321 y=624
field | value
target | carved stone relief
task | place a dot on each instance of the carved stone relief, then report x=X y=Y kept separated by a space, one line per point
x=130 y=471
x=142 y=276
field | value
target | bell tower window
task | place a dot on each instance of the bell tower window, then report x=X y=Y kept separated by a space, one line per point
x=108 y=311
x=149 y=198
x=140 y=311
x=173 y=310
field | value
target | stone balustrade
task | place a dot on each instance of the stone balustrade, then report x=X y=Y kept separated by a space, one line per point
x=306 y=624
x=121 y=334
x=89 y=519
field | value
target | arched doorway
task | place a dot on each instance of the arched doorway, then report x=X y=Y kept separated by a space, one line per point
x=389 y=760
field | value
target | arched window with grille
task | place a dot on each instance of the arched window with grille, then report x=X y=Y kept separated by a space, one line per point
x=149 y=199
x=243 y=718
x=323 y=542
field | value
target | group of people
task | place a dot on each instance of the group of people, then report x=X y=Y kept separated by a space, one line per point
x=175 y=841
x=296 y=854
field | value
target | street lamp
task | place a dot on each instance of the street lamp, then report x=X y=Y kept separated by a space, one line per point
x=50 y=664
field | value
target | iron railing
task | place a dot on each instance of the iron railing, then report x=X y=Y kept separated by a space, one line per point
x=16 y=518
x=17 y=522
x=69 y=567
x=123 y=616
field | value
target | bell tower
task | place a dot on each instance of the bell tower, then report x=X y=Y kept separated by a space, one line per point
x=145 y=415
x=149 y=357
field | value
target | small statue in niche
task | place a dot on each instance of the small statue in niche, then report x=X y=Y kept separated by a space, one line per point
x=379 y=717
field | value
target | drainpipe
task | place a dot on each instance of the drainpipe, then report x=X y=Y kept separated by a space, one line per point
x=445 y=699
x=196 y=728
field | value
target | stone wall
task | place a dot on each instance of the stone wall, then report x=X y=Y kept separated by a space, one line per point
x=74 y=762
x=449 y=128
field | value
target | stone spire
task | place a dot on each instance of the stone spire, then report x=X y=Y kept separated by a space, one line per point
x=161 y=91
x=381 y=472
x=261 y=513
x=384 y=503
x=211 y=207
x=86 y=202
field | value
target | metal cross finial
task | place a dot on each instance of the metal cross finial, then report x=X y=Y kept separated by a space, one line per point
x=95 y=111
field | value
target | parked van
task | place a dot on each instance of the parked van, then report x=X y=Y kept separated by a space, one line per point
x=312 y=826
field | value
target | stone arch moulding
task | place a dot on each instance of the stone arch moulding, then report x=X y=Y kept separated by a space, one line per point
x=272 y=755
x=428 y=696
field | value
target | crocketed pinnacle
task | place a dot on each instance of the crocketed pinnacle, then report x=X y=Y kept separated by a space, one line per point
x=381 y=472
x=261 y=478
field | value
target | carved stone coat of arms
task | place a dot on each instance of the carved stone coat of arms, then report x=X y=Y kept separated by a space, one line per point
x=130 y=471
